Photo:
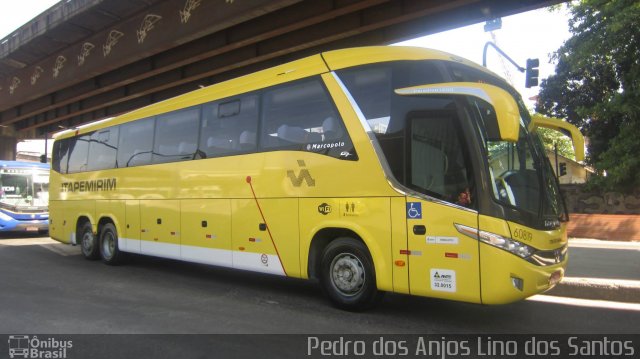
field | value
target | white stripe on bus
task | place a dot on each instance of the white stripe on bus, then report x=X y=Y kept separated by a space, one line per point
x=257 y=262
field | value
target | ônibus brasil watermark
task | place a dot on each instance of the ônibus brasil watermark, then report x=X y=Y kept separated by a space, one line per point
x=32 y=347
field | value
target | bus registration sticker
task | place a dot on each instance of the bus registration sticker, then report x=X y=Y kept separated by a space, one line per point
x=443 y=280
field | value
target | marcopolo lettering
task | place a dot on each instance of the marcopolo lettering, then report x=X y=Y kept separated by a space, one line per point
x=107 y=184
x=323 y=146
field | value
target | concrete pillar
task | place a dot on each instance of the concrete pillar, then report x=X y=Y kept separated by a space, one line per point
x=8 y=143
x=8 y=147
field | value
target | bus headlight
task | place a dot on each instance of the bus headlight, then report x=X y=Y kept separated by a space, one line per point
x=5 y=217
x=520 y=249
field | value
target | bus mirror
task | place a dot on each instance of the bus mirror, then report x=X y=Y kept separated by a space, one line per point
x=503 y=103
x=566 y=128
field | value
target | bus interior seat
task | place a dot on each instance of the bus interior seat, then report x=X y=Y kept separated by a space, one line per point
x=330 y=129
x=219 y=143
x=291 y=134
x=247 y=140
x=524 y=185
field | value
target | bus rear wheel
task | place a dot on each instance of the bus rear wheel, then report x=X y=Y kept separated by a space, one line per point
x=109 y=251
x=347 y=275
x=89 y=242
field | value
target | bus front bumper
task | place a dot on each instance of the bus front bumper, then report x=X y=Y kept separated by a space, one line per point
x=507 y=278
x=25 y=226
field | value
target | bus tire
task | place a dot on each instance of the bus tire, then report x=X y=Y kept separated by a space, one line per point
x=89 y=242
x=347 y=275
x=109 y=251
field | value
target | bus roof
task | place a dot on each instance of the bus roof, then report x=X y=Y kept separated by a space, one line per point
x=19 y=164
x=305 y=67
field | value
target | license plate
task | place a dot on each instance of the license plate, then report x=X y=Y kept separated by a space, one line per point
x=32 y=229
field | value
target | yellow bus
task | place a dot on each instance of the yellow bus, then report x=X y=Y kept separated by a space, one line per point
x=369 y=169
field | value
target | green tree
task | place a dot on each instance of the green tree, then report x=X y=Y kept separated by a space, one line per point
x=597 y=86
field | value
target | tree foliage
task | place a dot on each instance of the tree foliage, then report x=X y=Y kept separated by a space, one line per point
x=597 y=86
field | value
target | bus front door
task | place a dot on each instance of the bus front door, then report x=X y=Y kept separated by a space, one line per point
x=443 y=263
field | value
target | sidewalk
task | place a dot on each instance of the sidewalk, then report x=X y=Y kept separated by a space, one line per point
x=601 y=270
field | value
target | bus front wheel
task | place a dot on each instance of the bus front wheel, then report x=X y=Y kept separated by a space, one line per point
x=347 y=275
x=109 y=251
x=89 y=242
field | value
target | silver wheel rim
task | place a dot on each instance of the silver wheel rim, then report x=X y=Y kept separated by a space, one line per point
x=347 y=274
x=108 y=245
x=87 y=242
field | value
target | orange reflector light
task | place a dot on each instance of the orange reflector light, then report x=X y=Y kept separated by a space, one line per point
x=241 y=248
x=400 y=263
x=555 y=278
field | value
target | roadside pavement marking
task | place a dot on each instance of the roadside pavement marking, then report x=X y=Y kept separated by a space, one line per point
x=26 y=241
x=47 y=243
x=617 y=290
x=62 y=249
x=612 y=283
x=601 y=244
x=585 y=302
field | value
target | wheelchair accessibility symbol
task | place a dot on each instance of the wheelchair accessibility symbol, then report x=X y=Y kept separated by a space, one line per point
x=414 y=210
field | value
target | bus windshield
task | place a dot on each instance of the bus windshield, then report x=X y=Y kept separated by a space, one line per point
x=21 y=188
x=521 y=176
x=422 y=141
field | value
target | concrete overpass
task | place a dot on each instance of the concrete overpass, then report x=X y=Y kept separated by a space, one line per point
x=83 y=60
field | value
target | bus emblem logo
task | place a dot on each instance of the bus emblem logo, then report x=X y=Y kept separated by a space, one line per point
x=324 y=208
x=303 y=176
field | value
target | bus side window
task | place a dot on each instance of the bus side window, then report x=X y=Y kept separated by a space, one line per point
x=135 y=143
x=78 y=153
x=293 y=115
x=103 y=149
x=301 y=116
x=60 y=155
x=176 y=135
x=229 y=126
x=371 y=88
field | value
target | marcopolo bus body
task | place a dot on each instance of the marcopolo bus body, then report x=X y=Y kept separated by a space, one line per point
x=24 y=196
x=371 y=169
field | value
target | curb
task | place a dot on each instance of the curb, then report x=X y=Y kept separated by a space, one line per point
x=616 y=290
x=601 y=243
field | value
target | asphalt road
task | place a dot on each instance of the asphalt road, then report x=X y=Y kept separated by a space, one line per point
x=51 y=288
x=609 y=260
